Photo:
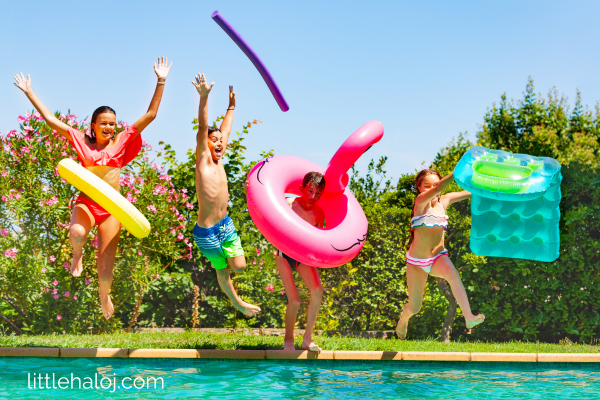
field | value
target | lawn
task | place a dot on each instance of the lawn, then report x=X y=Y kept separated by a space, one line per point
x=245 y=341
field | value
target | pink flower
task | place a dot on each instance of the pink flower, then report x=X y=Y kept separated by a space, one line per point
x=4 y=198
x=4 y=173
x=253 y=262
x=74 y=297
x=12 y=253
x=52 y=201
x=87 y=281
x=55 y=291
x=164 y=177
x=17 y=196
x=56 y=297
x=157 y=276
x=180 y=236
x=170 y=279
x=4 y=232
x=189 y=205
x=59 y=317
x=52 y=258
x=159 y=189
x=66 y=265
x=43 y=270
x=257 y=252
x=282 y=292
x=139 y=253
x=55 y=283
x=67 y=294
x=41 y=203
x=152 y=208
x=139 y=180
x=94 y=242
x=275 y=252
x=262 y=262
x=65 y=226
x=46 y=188
x=270 y=288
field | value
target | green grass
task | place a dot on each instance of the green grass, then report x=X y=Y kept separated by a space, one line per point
x=241 y=340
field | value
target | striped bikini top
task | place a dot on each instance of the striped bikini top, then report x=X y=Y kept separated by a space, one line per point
x=430 y=220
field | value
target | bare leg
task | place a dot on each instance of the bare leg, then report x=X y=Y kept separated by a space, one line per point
x=444 y=269
x=416 y=280
x=310 y=275
x=287 y=278
x=81 y=223
x=108 y=240
x=224 y=280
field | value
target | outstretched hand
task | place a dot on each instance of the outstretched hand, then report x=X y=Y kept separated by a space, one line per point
x=162 y=70
x=22 y=83
x=231 y=97
x=201 y=86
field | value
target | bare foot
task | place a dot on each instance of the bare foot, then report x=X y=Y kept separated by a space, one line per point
x=402 y=327
x=247 y=309
x=288 y=345
x=107 y=306
x=310 y=346
x=476 y=320
x=77 y=264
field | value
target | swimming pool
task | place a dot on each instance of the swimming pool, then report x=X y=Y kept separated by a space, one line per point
x=299 y=379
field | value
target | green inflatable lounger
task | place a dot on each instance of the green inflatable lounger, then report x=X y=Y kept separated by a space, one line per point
x=514 y=205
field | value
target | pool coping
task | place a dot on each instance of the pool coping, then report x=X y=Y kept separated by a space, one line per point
x=295 y=355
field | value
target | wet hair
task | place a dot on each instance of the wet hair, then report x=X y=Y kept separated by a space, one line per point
x=97 y=112
x=314 y=177
x=418 y=180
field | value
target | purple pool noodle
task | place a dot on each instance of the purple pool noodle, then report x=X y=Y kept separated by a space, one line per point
x=264 y=72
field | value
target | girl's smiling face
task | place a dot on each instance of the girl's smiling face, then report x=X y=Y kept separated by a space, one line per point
x=104 y=126
x=429 y=182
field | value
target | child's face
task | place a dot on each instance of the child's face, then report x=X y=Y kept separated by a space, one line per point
x=104 y=126
x=311 y=193
x=215 y=145
x=428 y=182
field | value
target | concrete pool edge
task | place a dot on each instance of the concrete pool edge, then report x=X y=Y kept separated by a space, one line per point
x=296 y=355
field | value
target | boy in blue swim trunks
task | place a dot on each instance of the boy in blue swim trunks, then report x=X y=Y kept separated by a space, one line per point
x=307 y=208
x=214 y=232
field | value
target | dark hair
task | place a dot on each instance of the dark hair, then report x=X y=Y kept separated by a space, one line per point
x=99 y=110
x=314 y=177
x=213 y=129
x=418 y=180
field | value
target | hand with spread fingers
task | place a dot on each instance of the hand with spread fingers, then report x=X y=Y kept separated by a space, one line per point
x=23 y=84
x=162 y=70
x=201 y=86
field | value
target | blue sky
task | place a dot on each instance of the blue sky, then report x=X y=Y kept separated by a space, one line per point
x=426 y=70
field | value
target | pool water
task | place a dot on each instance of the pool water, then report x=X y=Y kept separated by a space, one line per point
x=298 y=379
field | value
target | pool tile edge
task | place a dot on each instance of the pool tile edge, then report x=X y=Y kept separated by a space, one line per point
x=29 y=352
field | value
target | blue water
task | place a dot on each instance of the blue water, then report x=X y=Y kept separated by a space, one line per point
x=310 y=379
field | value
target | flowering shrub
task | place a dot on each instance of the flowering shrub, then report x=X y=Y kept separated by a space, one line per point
x=37 y=292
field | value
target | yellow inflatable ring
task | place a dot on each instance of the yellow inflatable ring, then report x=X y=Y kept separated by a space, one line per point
x=106 y=196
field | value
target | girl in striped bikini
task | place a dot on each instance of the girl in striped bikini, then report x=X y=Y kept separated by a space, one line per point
x=427 y=254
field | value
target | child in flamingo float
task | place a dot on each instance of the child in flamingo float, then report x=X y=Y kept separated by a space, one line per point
x=214 y=232
x=103 y=153
x=307 y=208
x=427 y=254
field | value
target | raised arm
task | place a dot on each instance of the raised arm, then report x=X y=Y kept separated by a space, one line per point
x=51 y=120
x=202 y=137
x=455 y=197
x=228 y=120
x=161 y=73
x=439 y=187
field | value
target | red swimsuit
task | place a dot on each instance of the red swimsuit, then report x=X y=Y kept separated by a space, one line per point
x=119 y=155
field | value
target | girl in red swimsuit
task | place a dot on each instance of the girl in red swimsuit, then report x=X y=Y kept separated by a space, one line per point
x=104 y=154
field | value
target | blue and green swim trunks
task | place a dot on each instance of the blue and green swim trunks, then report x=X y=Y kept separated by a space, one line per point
x=219 y=242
